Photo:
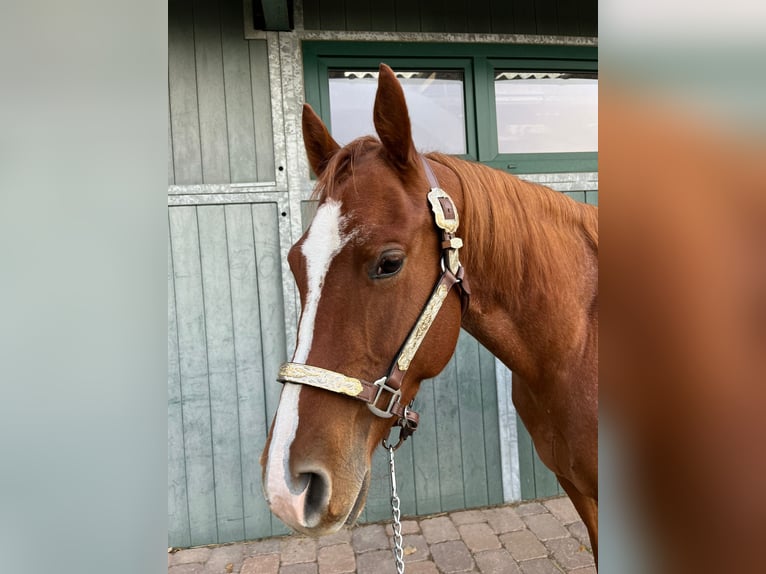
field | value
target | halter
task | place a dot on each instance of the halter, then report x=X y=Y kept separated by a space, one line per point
x=383 y=397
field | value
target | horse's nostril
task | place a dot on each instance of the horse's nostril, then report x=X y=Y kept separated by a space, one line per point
x=317 y=497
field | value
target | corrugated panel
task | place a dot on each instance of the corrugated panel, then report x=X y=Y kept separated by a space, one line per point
x=556 y=17
x=220 y=99
x=225 y=342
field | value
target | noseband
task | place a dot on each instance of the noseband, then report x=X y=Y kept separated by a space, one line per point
x=383 y=397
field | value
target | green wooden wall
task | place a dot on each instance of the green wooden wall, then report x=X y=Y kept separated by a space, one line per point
x=220 y=101
x=549 y=17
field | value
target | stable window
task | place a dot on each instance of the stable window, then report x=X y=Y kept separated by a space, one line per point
x=523 y=109
x=434 y=99
x=544 y=112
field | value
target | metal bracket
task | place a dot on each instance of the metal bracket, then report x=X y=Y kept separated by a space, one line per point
x=395 y=396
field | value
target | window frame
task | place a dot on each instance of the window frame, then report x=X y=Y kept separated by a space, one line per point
x=479 y=63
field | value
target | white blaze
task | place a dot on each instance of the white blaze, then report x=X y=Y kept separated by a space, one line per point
x=325 y=239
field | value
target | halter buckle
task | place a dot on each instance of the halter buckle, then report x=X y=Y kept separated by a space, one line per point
x=395 y=396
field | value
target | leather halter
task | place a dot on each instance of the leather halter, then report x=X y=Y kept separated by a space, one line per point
x=383 y=397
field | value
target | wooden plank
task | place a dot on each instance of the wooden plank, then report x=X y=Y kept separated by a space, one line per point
x=193 y=367
x=455 y=19
x=333 y=15
x=405 y=476
x=491 y=427
x=178 y=510
x=379 y=497
x=591 y=197
x=431 y=15
x=426 y=452
x=358 y=15
x=568 y=17
x=545 y=17
x=545 y=481
x=471 y=415
x=239 y=97
x=588 y=18
x=212 y=102
x=407 y=16
x=311 y=15
x=479 y=17
x=268 y=263
x=246 y=319
x=264 y=132
x=308 y=210
x=526 y=461
x=265 y=218
x=502 y=17
x=171 y=172
x=382 y=16
x=524 y=17
x=448 y=438
x=576 y=195
x=224 y=413
x=182 y=86
x=275 y=14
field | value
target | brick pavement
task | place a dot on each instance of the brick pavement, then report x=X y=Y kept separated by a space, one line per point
x=541 y=537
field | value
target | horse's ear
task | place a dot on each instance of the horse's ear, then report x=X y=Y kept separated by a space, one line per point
x=392 y=122
x=320 y=146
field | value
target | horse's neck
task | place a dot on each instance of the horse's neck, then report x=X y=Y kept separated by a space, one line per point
x=535 y=325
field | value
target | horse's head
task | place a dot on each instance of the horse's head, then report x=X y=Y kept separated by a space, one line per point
x=365 y=269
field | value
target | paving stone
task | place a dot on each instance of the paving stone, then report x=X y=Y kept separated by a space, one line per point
x=415 y=548
x=479 y=537
x=295 y=550
x=191 y=555
x=539 y=566
x=503 y=519
x=222 y=556
x=579 y=531
x=530 y=508
x=563 y=509
x=336 y=559
x=569 y=553
x=467 y=517
x=586 y=570
x=376 y=562
x=452 y=556
x=341 y=536
x=496 y=562
x=426 y=567
x=545 y=526
x=305 y=568
x=267 y=546
x=193 y=568
x=261 y=564
x=439 y=529
x=370 y=537
x=523 y=545
x=408 y=527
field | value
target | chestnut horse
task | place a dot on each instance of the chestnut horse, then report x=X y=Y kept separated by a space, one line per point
x=366 y=271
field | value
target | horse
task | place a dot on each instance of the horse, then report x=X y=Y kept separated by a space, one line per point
x=388 y=272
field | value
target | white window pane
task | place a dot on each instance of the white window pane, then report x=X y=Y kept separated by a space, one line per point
x=434 y=99
x=546 y=112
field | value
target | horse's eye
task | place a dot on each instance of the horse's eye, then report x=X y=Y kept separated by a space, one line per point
x=389 y=263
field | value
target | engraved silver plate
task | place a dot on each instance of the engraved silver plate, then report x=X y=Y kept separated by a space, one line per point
x=448 y=222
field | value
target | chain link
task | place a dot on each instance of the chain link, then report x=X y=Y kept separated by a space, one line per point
x=397 y=524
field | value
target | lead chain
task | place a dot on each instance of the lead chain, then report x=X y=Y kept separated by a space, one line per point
x=397 y=525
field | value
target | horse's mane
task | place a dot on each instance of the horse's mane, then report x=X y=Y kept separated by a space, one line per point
x=523 y=228
x=341 y=166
